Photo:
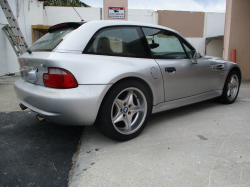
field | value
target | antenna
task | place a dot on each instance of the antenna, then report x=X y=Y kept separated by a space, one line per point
x=76 y=11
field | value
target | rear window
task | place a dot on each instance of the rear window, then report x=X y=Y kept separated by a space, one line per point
x=49 y=41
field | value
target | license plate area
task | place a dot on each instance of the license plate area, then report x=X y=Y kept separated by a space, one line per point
x=29 y=74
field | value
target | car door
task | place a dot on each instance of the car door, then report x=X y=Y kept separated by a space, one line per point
x=181 y=77
x=120 y=52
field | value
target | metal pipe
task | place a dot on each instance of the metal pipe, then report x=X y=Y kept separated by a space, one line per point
x=40 y=118
x=233 y=58
x=22 y=106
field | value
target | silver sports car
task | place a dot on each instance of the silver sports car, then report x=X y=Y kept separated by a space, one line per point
x=115 y=74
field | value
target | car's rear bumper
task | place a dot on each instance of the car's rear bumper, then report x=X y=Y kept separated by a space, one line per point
x=76 y=106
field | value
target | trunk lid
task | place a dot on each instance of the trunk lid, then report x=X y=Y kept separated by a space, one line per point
x=33 y=66
x=34 y=63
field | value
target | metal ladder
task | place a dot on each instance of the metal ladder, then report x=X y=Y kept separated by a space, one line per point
x=13 y=31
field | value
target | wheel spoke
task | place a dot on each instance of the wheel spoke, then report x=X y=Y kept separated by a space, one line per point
x=118 y=118
x=232 y=80
x=135 y=110
x=128 y=121
x=119 y=103
x=235 y=83
x=129 y=98
x=229 y=89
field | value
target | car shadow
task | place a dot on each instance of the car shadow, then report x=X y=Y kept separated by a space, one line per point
x=182 y=112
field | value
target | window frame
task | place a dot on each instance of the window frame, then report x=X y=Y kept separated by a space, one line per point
x=139 y=31
x=180 y=38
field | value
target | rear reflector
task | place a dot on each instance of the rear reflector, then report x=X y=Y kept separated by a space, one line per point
x=59 y=78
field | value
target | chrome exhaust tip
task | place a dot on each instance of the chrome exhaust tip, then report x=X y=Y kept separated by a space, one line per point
x=22 y=106
x=40 y=118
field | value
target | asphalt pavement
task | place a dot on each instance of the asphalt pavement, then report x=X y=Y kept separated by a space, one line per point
x=33 y=153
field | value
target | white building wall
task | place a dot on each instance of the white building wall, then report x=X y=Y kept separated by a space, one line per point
x=36 y=13
x=7 y=55
x=214 y=24
x=215 y=48
x=30 y=13
x=142 y=15
x=198 y=44
x=55 y=15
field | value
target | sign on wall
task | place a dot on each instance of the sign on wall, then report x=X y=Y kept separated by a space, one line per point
x=116 y=12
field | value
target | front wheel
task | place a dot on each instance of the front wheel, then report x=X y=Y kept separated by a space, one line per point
x=231 y=88
x=124 y=111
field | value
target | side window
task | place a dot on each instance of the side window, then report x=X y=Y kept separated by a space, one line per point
x=164 y=44
x=118 y=41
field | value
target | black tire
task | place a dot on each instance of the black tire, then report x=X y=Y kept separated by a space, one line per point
x=110 y=109
x=228 y=97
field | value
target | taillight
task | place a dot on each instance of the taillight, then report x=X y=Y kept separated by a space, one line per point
x=59 y=78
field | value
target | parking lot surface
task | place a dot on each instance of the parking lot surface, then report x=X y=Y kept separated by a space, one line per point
x=205 y=144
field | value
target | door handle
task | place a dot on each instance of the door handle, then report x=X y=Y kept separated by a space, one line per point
x=170 y=69
x=218 y=67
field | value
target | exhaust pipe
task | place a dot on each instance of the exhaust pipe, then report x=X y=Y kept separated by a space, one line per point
x=40 y=118
x=22 y=106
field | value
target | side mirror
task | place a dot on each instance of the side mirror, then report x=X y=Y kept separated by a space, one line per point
x=194 y=55
x=198 y=54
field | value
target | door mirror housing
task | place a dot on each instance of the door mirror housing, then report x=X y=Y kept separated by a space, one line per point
x=194 y=55
x=198 y=54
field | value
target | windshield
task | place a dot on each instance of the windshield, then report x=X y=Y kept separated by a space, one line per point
x=49 y=41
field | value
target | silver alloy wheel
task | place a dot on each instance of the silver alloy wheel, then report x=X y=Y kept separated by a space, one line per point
x=129 y=110
x=232 y=87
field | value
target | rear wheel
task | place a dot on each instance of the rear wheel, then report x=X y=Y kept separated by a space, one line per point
x=231 y=88
x=124 y=111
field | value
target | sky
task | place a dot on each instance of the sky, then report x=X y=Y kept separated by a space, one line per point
x=184 y=5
